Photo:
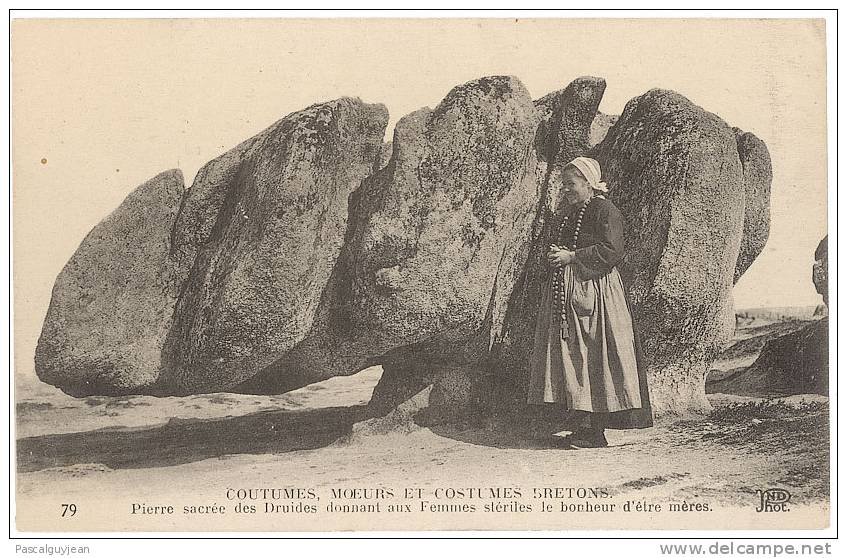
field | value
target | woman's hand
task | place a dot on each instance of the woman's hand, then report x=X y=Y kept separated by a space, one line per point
x=558 y=256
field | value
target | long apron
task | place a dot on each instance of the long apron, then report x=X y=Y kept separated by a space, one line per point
x=595 y=367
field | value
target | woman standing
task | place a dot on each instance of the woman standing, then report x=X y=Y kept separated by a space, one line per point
x=586 y=355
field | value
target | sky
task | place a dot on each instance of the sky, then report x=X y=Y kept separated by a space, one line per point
x=100 y=106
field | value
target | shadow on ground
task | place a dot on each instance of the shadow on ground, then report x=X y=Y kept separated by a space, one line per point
x=184 y=441
x=531 y=428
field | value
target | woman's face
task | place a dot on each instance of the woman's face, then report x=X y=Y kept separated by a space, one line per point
x=574 y=186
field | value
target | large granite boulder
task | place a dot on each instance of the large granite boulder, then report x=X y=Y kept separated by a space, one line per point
x=756 y=164
x=314 y=249
x=113 y=302
x=675 y=173
x=441 y=232
x=437 y=239
x=177 y=294
x=820 y=270
x=264 y=225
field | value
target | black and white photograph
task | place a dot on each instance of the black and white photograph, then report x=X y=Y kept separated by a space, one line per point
x=421 y=274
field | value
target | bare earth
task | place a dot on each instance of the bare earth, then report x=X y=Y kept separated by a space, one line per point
x=106 y=454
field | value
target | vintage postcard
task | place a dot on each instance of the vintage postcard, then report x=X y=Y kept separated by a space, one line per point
x=423 y=274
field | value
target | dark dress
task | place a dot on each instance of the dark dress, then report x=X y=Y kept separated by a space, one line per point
x=592 y=360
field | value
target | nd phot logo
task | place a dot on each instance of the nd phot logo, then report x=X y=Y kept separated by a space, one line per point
x=773 y=500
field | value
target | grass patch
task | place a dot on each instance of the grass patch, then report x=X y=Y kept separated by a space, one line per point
x=765 y=425
x=645 y=482
x=766 y=410
x=796 y=434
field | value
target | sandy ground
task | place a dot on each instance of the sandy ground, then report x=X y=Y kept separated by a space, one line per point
x=106 y=454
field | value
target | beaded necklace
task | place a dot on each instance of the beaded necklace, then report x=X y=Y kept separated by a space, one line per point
x=559 y=274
